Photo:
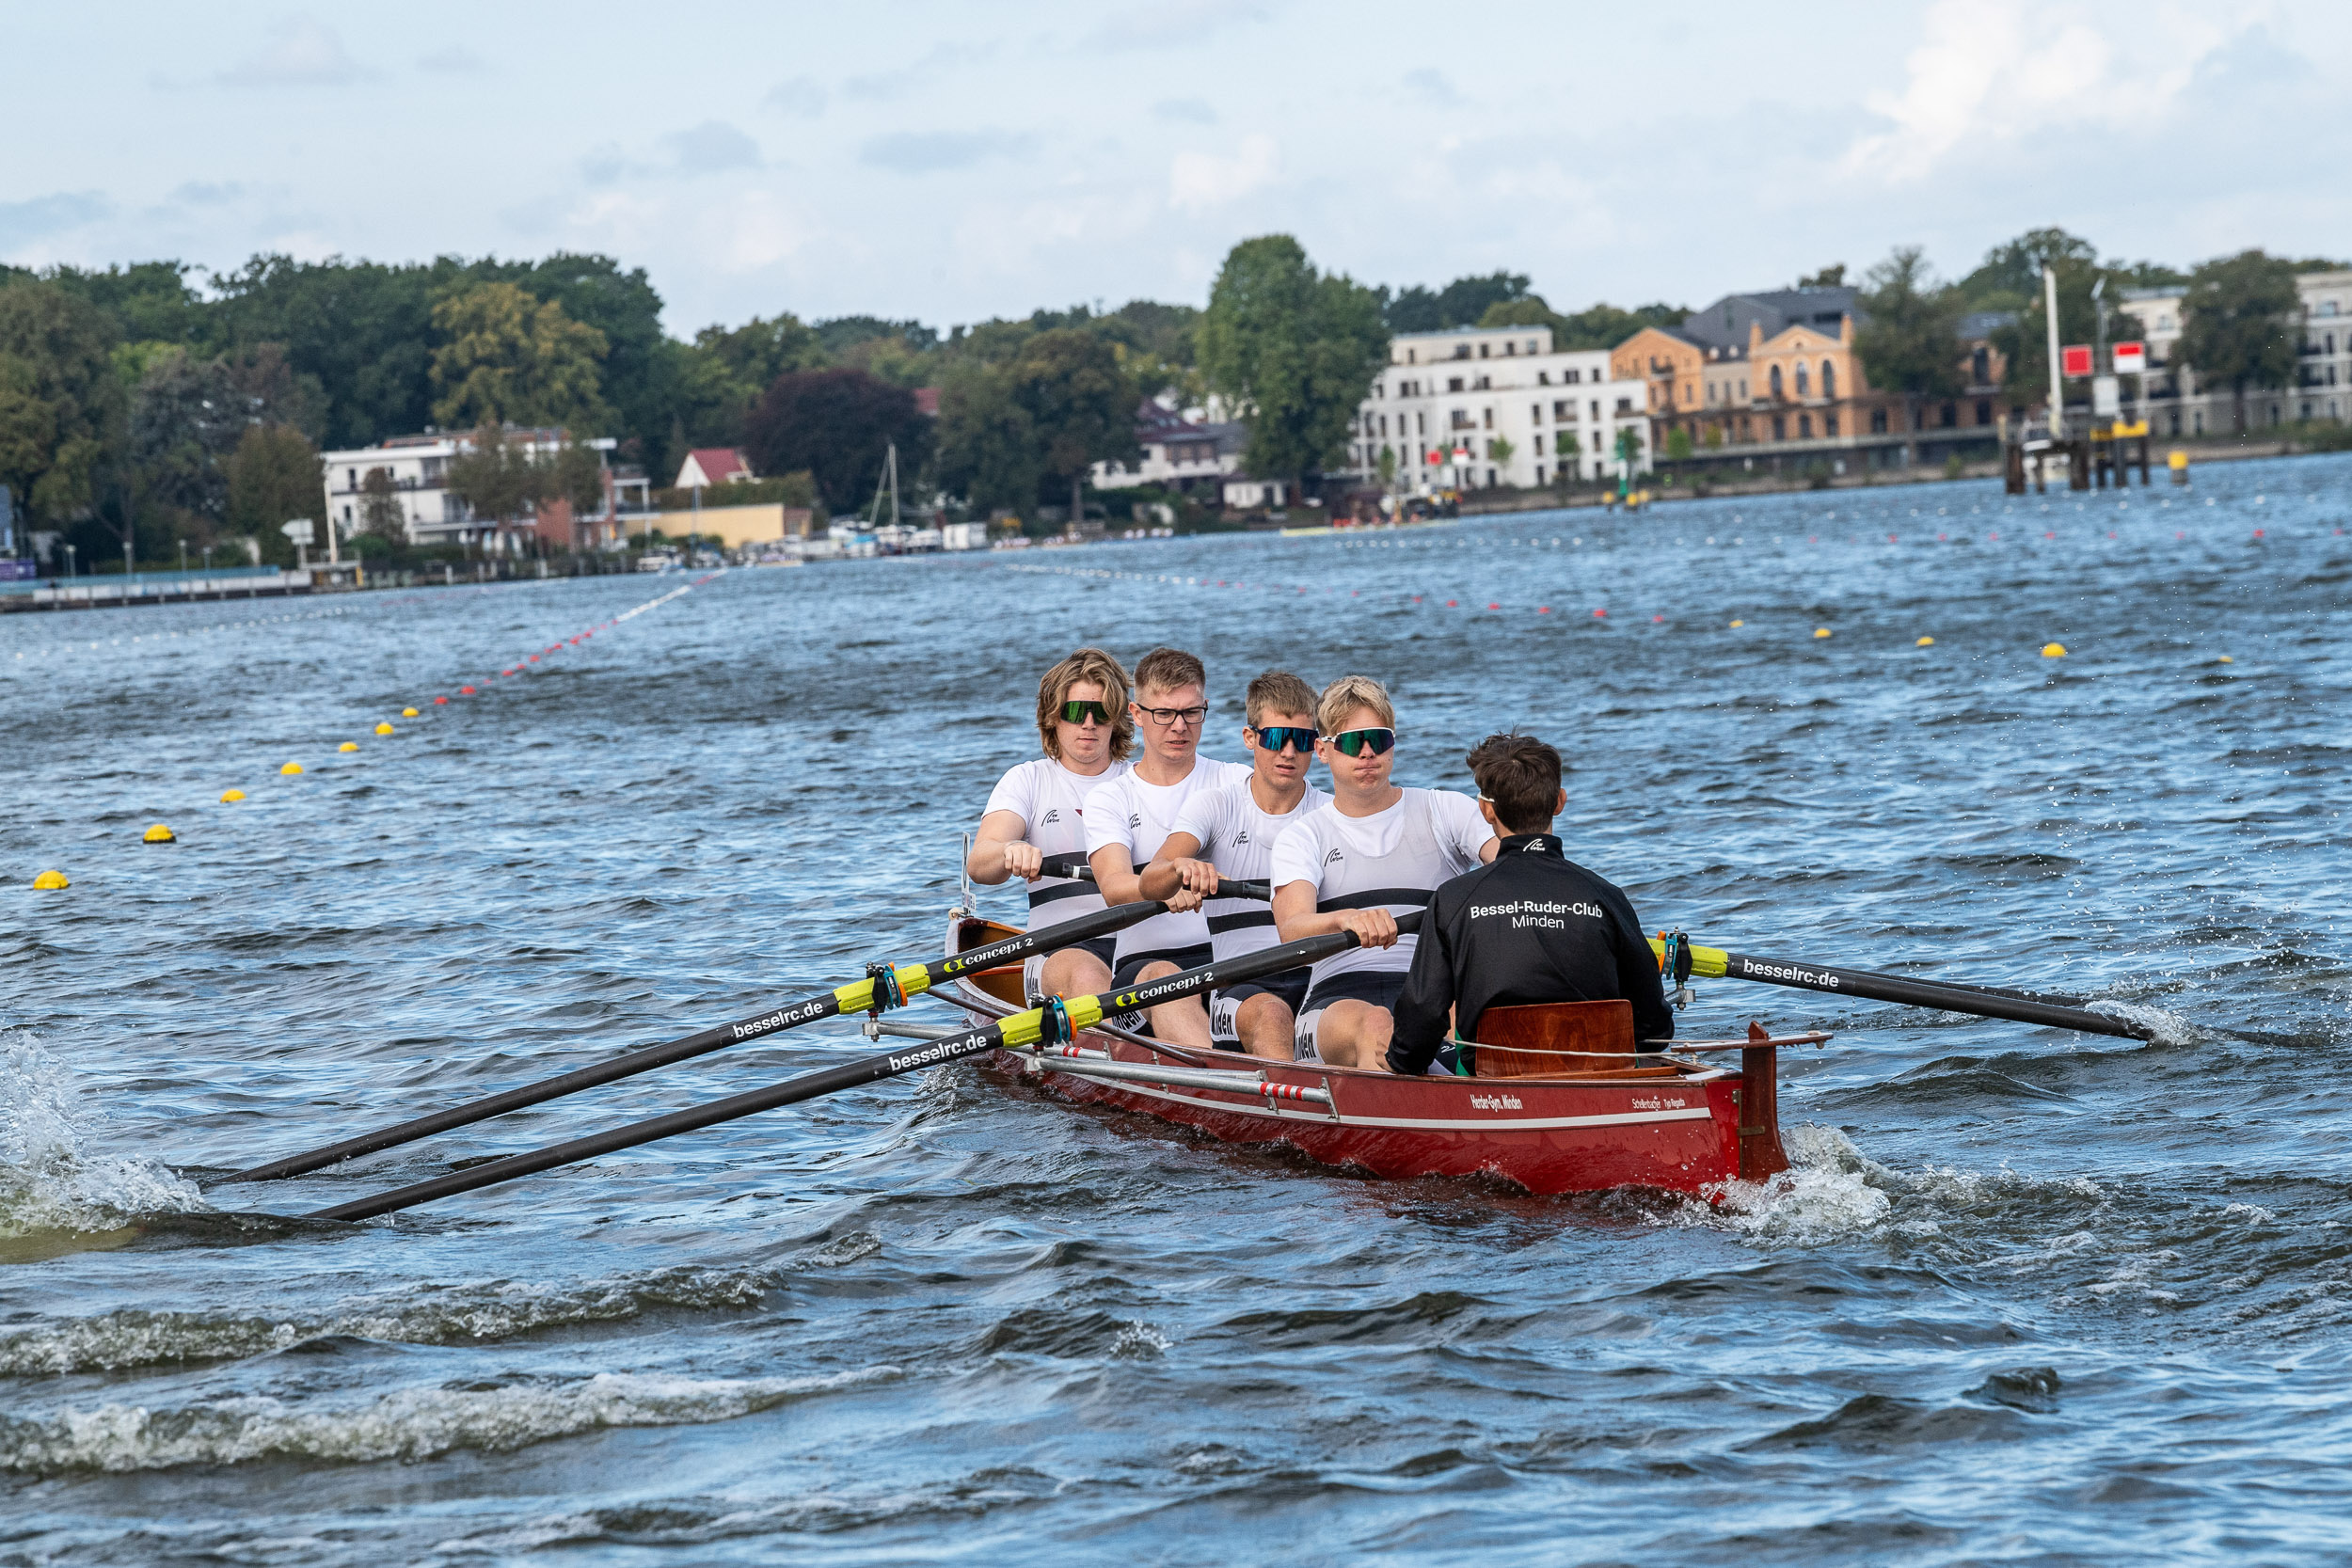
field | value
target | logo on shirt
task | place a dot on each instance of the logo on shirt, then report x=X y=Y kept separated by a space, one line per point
x=1535 y=845
x=1052 y=816
x=1334 y=855
x=1241 y=838
x=1135 y=820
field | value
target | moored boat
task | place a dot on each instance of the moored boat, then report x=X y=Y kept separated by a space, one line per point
x=1561 y=1103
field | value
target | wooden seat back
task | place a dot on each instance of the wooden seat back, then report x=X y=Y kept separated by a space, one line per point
x=1549 y=1038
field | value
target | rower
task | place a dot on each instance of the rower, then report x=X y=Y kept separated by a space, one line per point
x=1130 y=815
x=1530 y=927
x=1037 y=809
x=1376 y=852
x=1229 y=832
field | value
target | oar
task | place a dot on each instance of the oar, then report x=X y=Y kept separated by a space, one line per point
x=1077 y=866
x=855 y=997
x=1982 y=1000
x=1025 y=1028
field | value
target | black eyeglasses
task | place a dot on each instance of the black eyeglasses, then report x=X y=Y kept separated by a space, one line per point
x=1355 y=743
x=1164 y=717
x=1298 y=738
x=1078 y=713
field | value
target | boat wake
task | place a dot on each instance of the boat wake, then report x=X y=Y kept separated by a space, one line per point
x=409 y=1424
x=476 y=1313
x=54 y=1184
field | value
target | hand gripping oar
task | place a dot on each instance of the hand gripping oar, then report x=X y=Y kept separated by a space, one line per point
x=1077 y=866
x=856 y=997
x=1066 y=1016
x=1982 y=1000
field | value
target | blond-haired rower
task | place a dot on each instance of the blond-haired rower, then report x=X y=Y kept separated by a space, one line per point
x=1377 y=851
x=1038 y=809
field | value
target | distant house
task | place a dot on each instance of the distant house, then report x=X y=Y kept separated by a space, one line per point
x=927 y=400
x=708 y=465
x=1181 y=454
x=417 y=470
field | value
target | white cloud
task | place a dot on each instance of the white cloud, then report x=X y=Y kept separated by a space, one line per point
x=305 y=55
x=1169 y=23
x=711 y=147
x=2001 y=72
x=1199 y=181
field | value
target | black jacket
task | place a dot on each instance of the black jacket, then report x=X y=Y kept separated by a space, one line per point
x=1529 y=927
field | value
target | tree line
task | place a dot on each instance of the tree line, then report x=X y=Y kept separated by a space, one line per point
x=144 y=404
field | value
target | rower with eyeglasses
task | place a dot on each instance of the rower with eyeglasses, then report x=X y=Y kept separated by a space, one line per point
x=1038 y=809
x=1377 y=851
x=1231 y=831
x=1130 y=816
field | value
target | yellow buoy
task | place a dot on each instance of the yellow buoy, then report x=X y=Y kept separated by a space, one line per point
x=348 y=746
x=1925 y=643
x=2053 y=650
x=289 y=768
x=160 y=834
x=407 y=713
x=2227 y=660
x=1737 y=625
x=383 y=729
x=232 y=795
x=1820 y=631
x=50 y=881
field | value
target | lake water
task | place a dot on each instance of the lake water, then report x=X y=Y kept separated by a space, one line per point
x=2028 y=1296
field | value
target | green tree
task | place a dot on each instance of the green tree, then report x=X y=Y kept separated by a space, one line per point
x=988 y=450
x=576 y=474
x=364 y=330
x=1079 y=402
x=1679 y=444
x=381 y=516
x=495 y=477
x=1830 y=276
x=61 y=404
x=188 y=416
x=1458 y=304
x=2011 y=275
x=1596 y=326
x=1909 y=342
x=2026 y=342
x=1388 y=467
x=2238 y=323
x=273 y=477
x=1500 y=449
x=504 y=357
x=1291 y=351
x=837 y=424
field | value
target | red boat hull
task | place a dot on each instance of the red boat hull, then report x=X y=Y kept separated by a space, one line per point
x=1680 y=1130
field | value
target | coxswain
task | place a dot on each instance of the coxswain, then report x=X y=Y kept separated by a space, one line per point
x=1530 y=927
x=1038 y=809
x=1130 y=815
x=1231 y=831
x=1376 y=852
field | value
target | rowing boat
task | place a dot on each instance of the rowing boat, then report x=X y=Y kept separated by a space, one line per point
x=1555 y=1108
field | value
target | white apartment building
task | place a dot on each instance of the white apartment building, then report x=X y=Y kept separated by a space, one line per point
x=419 y=466
x=1479 y=408
x=2176 y=404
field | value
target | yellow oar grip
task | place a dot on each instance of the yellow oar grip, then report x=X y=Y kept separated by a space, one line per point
x=855 y=997
x=1710 y=963
x=913 y=979
x=1029 y=1028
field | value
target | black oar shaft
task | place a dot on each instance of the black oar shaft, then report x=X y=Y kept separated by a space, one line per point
x=808 y=1086
x=808 y=1010
x=1078 y=866
x=1917 y=993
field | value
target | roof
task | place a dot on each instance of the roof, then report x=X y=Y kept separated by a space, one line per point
x=927 y=400
x=1724 y=324
x=1983 y=323
x=720 y=465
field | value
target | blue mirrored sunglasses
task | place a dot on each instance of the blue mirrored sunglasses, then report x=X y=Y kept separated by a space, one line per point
x=1298 y=738
x=1355 y=742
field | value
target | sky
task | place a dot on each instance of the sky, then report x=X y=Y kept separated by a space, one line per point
x=951 y=163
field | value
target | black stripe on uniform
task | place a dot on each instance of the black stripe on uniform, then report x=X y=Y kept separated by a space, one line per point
x=1221 y=924
x=1376 y=897
x=1060 y=889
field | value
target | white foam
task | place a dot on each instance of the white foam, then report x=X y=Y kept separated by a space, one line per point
x=410 y=1424
x=49 y=1178
x=432 y=1315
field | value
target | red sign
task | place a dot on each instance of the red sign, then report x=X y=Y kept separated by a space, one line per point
x=2131 y=358
x=2075 y=359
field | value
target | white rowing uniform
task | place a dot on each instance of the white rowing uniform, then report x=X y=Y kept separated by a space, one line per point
x=1237 y=836
x=1392 y=860
x=1050 y=800
x=1137 y=818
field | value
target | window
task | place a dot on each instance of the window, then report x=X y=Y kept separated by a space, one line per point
x=1409 y=355
x=1490 y=418
x=1563 y=411
x=351 y=479
x=1491 y=473
x=1543 y=378
x=1829 y=380
x=1780 y=427
x=1534 y=413
x=1775 y=383
x=1829 y=424
x=1540 y=452
x=1539 y=472
x=1981 y=367
x=1481 y=351
x=1804 y=382
x=1984 y=410
x=1572 y=377
x=1461 y=351
x=1596 y=410
x=1804 y=422
x=1510 y=349
x=1625 y=405
x=1462 y=419
x=1421 y=424
x=1453 y=382
x=1485 y=382
x=1530 y=345
x=1950 y=416
x=1743 y=388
